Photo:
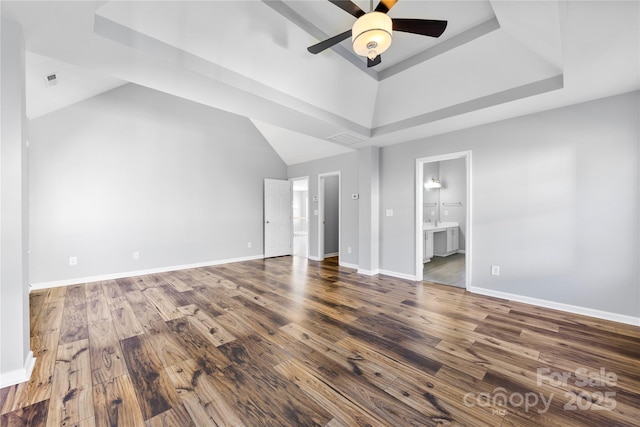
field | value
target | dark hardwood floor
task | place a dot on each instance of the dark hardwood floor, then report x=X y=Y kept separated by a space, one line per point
x=291 y=342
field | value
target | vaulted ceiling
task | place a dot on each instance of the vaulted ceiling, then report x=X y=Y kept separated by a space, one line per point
x=496 y=59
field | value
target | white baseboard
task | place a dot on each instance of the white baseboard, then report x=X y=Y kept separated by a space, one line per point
x=585 y=311
x=387 y=273
x=399 y=275
x=331 y=255
x=315 y=258
x=348 y=265
x=77 y=281
x=20 y=375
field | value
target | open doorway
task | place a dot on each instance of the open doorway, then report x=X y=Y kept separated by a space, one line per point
x=329 y=215
x=300 y=216
x=443 y=219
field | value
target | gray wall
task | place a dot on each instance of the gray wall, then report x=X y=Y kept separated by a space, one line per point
x=15 y=357
x=453 y=176
x=555 y=199
x=347 y=164
x=331 y=214
x=138 y=170
x=369 y=210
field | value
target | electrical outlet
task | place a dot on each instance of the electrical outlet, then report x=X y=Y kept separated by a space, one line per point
x=136 y=255
x=388 y=212
x=73 y=260
x=495 y=270
x=249 y=245
x=349 y=250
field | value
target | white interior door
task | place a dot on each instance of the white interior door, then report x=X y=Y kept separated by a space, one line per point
x=277 y=218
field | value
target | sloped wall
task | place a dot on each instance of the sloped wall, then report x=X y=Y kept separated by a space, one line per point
x=136 y=170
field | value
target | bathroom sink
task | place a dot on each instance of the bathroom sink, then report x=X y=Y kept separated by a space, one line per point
x=441 y=225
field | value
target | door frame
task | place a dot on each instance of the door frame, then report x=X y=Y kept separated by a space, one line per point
x=301 y=178
x=321 y=178
x=420 y=162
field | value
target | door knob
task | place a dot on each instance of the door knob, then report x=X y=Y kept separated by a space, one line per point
x=267 y=222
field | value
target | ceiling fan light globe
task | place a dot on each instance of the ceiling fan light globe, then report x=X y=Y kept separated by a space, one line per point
x=371 y=32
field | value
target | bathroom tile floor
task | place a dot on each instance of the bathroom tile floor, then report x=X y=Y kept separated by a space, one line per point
x=446 y=270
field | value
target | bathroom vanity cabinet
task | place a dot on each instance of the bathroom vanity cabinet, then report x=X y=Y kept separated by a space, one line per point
x=442 y=239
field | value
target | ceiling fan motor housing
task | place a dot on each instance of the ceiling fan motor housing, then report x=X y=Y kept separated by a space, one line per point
x=371 y=34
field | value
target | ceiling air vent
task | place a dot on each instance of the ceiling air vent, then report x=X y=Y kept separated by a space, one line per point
x=346 y=138
x=51 y=79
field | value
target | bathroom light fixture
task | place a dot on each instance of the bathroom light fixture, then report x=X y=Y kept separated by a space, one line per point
x=434 y=183
x=371 y=34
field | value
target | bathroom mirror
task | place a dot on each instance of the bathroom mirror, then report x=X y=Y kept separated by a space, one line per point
x=431 y=193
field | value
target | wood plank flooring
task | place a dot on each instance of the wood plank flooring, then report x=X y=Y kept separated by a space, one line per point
x=291 y=342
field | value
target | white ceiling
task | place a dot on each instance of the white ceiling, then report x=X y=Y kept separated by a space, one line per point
x=497 y=59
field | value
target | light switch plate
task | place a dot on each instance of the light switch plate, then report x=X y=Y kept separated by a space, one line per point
x=389 y=212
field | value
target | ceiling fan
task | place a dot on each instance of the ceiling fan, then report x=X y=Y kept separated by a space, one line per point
x=371 y=34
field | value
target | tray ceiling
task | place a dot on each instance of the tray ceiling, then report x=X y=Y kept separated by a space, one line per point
x=497 y=59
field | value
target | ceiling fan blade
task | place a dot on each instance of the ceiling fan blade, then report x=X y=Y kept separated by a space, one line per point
x=319 y=47
x=385 y=5
x=425 y=27
x=373 y=62
x=349 y=7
